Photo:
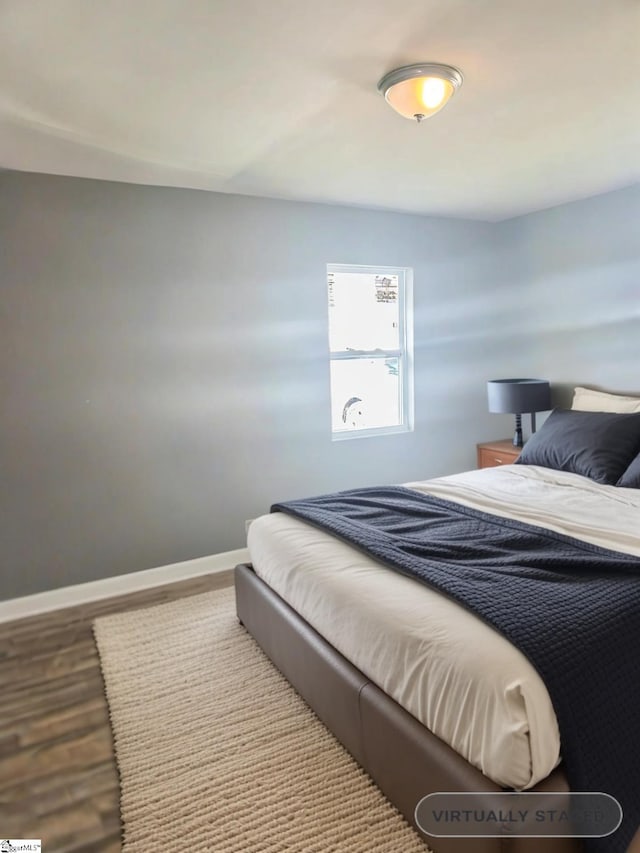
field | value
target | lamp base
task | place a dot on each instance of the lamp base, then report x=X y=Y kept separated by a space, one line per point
x=517 y=436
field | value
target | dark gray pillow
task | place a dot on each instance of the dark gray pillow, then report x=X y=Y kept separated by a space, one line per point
x=598 y=445
x=631 y=477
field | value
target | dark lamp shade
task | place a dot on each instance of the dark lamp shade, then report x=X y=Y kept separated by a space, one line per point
x=515 y=396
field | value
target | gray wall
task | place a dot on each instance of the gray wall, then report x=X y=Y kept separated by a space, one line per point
x=163 y=364
x=578 y=276
x=163 y=356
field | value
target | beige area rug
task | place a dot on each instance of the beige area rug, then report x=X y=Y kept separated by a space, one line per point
x=217 y=752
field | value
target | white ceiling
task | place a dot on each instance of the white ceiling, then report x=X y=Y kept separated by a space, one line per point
x=278 y=98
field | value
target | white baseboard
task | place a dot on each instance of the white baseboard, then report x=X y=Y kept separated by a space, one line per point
x=69 y=596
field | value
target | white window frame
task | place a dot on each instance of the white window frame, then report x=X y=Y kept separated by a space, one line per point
x=404 y=354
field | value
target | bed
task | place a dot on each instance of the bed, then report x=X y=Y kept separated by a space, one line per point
x=426 y=696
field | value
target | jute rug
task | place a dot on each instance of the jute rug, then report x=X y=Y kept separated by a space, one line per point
x=217 y=752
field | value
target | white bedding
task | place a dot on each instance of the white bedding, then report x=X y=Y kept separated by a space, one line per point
x=450 y=670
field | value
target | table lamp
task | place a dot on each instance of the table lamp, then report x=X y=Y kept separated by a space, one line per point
x=515 y=396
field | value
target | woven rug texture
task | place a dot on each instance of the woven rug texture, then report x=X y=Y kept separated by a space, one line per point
x=217 y=752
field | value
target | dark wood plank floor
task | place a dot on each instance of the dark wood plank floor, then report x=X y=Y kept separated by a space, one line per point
x=58 y=777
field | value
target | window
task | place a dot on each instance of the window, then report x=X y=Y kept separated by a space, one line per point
x=370 y=350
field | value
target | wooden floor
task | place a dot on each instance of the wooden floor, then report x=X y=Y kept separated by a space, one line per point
x=58 y=776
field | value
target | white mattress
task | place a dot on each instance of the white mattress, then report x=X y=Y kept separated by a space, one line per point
x=446 y=667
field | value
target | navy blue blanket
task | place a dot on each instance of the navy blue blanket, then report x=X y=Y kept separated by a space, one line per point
x=572 y=608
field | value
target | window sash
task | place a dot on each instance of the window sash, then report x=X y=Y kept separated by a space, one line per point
x=403 y=353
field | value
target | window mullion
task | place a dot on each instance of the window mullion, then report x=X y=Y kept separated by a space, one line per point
x=375 y=353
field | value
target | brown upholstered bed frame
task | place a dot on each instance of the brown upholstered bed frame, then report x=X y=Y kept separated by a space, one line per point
x=403 y=757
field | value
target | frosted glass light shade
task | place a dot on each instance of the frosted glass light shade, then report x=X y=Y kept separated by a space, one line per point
x=420 y=91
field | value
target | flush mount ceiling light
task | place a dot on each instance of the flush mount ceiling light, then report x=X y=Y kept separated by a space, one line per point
x=420 y=91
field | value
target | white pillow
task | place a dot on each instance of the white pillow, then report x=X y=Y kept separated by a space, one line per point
x=588 y=400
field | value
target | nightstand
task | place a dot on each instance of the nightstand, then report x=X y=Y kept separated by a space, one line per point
x=492 y=453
